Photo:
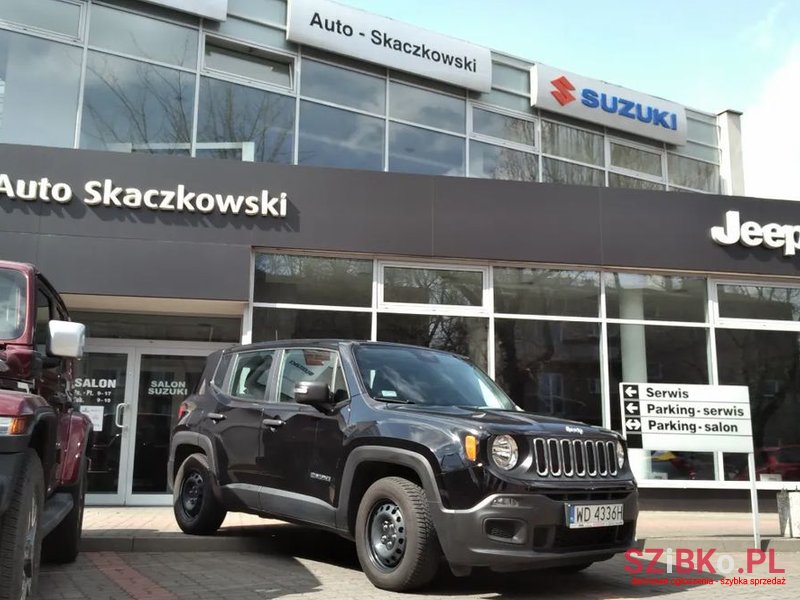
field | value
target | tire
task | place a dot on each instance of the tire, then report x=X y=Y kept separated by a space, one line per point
x=197 y=510
x=395 y=538
x=20 y=532
x=63 y=543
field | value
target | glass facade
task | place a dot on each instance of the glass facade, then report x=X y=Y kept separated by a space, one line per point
x=239 y=90
x=560 y=341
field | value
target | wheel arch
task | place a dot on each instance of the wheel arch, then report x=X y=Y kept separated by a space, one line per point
x=367 y=464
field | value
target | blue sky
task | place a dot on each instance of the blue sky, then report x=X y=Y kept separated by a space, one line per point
x=706 y=54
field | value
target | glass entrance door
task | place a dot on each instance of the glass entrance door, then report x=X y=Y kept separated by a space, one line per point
x=164 y=381
x=102 y=384
x=132 y=390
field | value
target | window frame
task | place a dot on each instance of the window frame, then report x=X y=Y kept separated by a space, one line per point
x=275 y=397
x=233 y=363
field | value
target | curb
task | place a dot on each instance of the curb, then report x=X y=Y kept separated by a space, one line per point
x=723 y=544
x=186 y=543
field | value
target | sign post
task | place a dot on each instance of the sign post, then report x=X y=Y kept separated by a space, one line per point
x=694 y=418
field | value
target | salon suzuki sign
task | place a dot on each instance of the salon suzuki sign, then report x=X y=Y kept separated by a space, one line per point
x=352 y=32
x=605 y=104
x=104 y=192
x=751 y=234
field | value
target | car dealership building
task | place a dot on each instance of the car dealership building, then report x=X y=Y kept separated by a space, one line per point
x=195 y=174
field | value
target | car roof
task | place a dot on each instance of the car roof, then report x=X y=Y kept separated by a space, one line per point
x=327 y=343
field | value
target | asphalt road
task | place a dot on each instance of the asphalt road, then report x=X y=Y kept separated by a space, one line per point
x=299 y=563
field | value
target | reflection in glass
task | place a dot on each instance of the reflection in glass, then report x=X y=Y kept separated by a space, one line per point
x=558 y=171
x=52 y=15
x=98 y=388
x=635 y=159
x=331 y=137
x=270 y=324
x=415 y=150
x=463 y=335
x=313 y=280
x=573 y=143
x=655 y=297
x=432 y=286
x=130 y=105
x=497 y=162
x=142 y=36
x=621 y=181
x=33 y=73
x=159 y=327
x=511 y=78
x=672 y=464
x=504 y=127
x=693 y=174
x=258 y=122
x=265 y=10
x=740 y=301
x=343 y=86
x=250 y=31
x=654 y=354
x=551 y=367
x=249 y=65
x=768 y=363
x=546 y=292
x=426 y=107
x=164 y=382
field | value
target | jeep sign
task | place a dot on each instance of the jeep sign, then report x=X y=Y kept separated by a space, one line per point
x=752 y=234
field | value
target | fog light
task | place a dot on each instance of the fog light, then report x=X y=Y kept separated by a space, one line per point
x=505 y=501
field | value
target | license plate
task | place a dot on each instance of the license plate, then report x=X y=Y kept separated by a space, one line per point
x=593 y=515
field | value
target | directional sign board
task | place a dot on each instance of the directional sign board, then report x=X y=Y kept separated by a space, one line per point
x=698 y=418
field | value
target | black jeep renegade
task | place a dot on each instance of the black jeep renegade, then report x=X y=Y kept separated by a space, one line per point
x=413 y=453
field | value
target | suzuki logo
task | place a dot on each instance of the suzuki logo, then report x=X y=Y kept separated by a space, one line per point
x=562 y=91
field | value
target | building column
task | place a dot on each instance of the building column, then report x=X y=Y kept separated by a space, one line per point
x=633 y=348
x=731 y=166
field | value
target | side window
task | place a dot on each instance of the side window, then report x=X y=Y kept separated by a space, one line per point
x=43 y=316
x=222 y=371
x=250 y=375
x=304 y=364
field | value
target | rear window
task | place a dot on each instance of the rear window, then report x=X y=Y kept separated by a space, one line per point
x=12 y=304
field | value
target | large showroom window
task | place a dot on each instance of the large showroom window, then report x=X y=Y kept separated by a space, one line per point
x=560 y=341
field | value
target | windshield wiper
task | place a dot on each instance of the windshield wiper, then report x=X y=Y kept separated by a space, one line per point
x=394 y=400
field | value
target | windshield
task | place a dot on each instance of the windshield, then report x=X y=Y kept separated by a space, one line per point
x=12 y=304
x=421 y=376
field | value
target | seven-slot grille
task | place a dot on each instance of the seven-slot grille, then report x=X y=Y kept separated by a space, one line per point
x=560 y=457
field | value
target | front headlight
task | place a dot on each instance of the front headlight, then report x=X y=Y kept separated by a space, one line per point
x=620 y=454
x=13 y=425
x=504 y=452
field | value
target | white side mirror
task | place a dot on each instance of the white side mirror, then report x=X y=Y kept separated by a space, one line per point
x=66 y=339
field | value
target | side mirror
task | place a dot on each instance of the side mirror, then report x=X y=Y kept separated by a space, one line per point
x=315 y=393
x=66 y=339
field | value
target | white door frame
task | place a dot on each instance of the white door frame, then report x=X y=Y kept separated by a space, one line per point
x=135 y=349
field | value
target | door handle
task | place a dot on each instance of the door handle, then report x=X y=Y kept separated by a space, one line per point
x=273 y=422
x=118 y=415
x=216 y=417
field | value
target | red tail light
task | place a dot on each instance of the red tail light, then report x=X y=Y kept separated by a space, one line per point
x=182 y=410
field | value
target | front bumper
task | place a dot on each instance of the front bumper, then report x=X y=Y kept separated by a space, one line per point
x=533 y=534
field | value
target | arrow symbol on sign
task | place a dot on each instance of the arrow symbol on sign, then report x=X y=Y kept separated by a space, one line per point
x=632 y=407
x=631 y=391
x=634 y=424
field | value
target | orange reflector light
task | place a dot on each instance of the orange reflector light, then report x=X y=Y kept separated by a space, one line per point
x=471 y=447
x=13 y=425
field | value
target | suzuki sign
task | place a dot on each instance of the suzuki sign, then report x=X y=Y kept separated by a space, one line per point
x=344 y=30
x=605 y=104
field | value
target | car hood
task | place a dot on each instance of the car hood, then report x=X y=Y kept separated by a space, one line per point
x=500 y=421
